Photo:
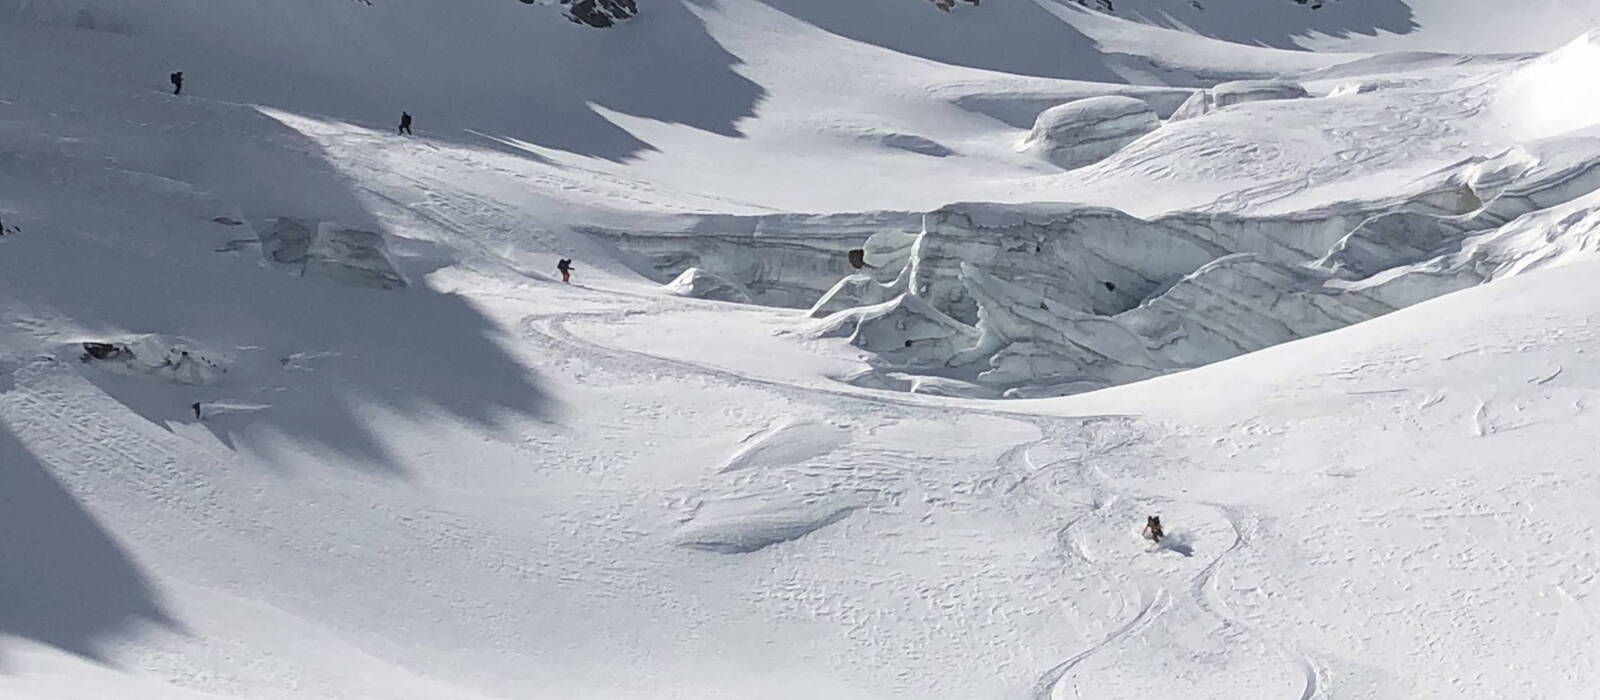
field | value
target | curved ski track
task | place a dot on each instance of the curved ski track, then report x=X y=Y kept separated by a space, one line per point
x=1153 y=600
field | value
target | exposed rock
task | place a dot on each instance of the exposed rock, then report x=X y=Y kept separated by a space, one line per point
x=1081 y=132
x=599 y=13
x=1224 y=95
x=696 y=283
x=156 y=357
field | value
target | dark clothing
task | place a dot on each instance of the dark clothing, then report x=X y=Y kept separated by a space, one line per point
x=1152 y=528
x=177 y=82
x=405 y=123
x=196 y=407
x=565 y=267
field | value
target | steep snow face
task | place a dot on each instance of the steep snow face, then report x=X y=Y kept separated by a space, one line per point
x=1095 y=260
x=781 y=260
x=1555 y=94
x=1193 y=289
x=1084 y=131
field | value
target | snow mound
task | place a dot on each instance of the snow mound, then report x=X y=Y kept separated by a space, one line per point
x=696 y=283
x=885 y=138
x=855 y=291
x=744 y=525
x=1235 y=92
x=1081 y=132
x=161 y=358
x=787 y=442
x=329 y=251
x=906 y=328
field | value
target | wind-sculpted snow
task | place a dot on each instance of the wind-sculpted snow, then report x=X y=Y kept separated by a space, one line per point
x=329 y=251
x=741 y=527
x=1089 y=258
x=1556 y=93
x=786 y=443
x=1064 y=298
x=1102 y=260
x=906 y=329
x=1536 y=175
x=990 y=298
x=858 y=290
x=1387 y=240
x=696 y=283
x=1227 y=94
x=1243 y=303
x=787 y=260
x=1084 y=131
x=1025 y=339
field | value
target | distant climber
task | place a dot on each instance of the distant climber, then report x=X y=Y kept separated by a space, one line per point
x=177 y=82
x=1110 y=286
x=196 y=407
x=565 y=267
x=405 y=123
x=1152 y=528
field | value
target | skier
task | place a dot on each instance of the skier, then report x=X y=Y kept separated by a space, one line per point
x=177 y=82
x=196 y=407
x=405 y=123
x=1152 y=528
x=565 y=267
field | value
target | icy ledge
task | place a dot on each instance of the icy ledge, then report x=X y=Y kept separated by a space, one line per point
x=1039 y=299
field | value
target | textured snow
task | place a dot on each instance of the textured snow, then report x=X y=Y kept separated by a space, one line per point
x=162 y=358
x=696 y=283
x=1084 y=131
x=1225 y=95
x=1341 y=344
x=330 y=251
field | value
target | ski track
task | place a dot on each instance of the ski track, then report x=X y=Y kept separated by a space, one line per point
x=1209 y=598
x=1153 y=601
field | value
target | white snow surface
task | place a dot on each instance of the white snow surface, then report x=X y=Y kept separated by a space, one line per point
x=1342 y=344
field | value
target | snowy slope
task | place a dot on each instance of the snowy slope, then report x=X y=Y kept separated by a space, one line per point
x=426 y=468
